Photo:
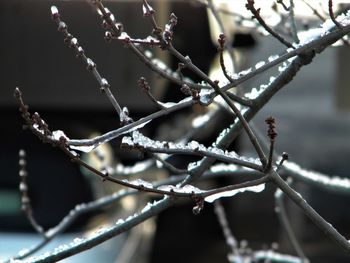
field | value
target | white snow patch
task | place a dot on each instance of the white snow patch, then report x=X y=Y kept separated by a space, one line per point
x=255 y=189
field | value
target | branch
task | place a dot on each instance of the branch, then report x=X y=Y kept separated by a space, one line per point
x=139 y=141
x=331 y=14
x=72 y=42
x=25 y=200
x=326 y=228
x=283 y=218
x=256 y=15
x=83 y=244
x=230 y=239
x=327 y=36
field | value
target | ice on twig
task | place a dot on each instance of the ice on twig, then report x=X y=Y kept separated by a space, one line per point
x=54 y=10
x=140 y=182
x=255 y=189
x=272 y=58
x=187 y=189
x=260 y=64
x=330 y=181
x=56 y=135
x=167 y=104
x=84 y=148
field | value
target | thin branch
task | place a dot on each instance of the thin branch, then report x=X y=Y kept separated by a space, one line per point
x=256 y=14
x=108 y=233
x=116 y=29
x=139 y=141
x=221 y=40
x=72 y=42
x=216 y=88
x=25 y=200
x=331 y=14
x=334 y=183
x=283 y=5
x=326 y=228
x=143 y=84
x=293 y=22
x=169 y=166
x=112 y=199
x=272 y=135
x=319 y=43
x=229 y=48
x=231 y=241
x=283 y=218
x=128 y=128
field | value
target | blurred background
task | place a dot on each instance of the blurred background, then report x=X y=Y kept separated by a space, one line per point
x=312 y=116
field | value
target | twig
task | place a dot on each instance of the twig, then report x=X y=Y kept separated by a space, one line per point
x=272 y=134
x=283 y=218
x=90 y=65
x=139 y=141
x=222 y=218
x=127 y=128
x=117 y=29
x=84 y=244
x=293 y=22
x=168 y=165
x=331 y=14
x=229 y=48
x=326 y=228
x=216 y=88
x=142 y=186
x=317 y=45
x=283 y=5
x=221 y=47
x=25 y=200
x=256 y=14
x=143 y=84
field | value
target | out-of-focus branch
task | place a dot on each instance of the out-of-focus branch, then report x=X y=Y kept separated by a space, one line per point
x=326 y=228
x=256 y=14
x=25 y=200
x=331 y=14
x=283 y=218
x=221 y=216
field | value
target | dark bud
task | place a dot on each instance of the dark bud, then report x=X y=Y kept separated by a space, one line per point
x=143 y=84
x=198 y=208
x=104 y=24
x=195 y=95
x=62 y=26
x=271 y=132
x=222 y=40
x=67 y=38
x=185 y=89
x=108 y=36
x=285 y=156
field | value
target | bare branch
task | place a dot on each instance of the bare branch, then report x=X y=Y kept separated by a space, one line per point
x=90 y=65
x=326 y=228
x=25 y=200
x=331 y=14
x=256 y=14
x=283 y=218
